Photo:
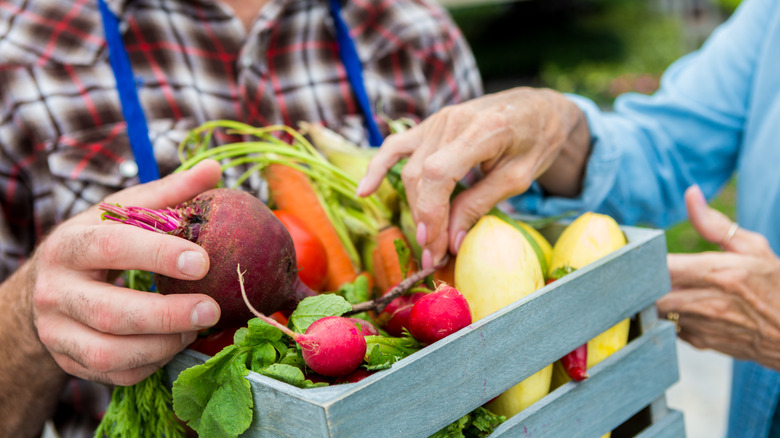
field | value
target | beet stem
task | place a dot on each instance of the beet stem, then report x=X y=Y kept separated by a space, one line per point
x=380 y=303
x=161 y=221
x=257 y=313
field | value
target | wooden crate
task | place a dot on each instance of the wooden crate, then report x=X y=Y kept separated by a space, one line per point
x=437 y=385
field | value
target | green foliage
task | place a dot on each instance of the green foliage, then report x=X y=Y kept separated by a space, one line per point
x=311 y=309
x=478 y=423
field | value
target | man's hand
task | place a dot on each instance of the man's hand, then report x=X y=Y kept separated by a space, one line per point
x=98 y=331
x=727 y=301
x=515 y=136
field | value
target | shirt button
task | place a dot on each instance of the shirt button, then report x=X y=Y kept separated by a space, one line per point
x=246 y=62
x=128 y=168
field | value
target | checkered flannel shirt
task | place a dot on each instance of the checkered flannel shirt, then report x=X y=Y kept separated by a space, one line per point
x=62 y=134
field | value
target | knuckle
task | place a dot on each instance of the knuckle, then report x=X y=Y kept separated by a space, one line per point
x=435 y=169
x=108 y=245
x=100 y=359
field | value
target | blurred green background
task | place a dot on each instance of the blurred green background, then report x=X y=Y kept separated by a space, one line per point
x=596 y=48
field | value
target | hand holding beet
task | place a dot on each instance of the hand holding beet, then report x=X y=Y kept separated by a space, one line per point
x=98 y=331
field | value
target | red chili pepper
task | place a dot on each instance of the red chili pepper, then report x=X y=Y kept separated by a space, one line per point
x=576 y=363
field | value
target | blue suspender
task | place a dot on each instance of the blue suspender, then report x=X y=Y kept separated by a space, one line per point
x=351 y=62
x=137 y=129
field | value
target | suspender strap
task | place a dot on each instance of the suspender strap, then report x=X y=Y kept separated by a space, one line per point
x=351 y=62
x=137 y=129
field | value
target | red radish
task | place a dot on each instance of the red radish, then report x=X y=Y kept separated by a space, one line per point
x=233 y=227
x=366 y=327
x=333 y=346
x=355 y=376
x=395 y=316
x=439 y=314
x=575 y=363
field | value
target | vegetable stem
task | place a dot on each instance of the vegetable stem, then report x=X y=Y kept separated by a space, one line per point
x=380 y=303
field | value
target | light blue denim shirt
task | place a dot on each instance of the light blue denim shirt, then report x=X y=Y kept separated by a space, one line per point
x=717 y=113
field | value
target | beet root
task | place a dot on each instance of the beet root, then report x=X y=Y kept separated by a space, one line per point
x=438 y=314
x=234 y=227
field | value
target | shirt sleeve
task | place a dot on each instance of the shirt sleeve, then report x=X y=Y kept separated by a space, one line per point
x=649 y=149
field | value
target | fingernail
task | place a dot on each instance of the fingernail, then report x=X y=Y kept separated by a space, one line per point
x=422 y=234
x=427 y=259
x=205 y=314
x=188 y=338
x=459 y=240
x=361 y=187
x=191 y=264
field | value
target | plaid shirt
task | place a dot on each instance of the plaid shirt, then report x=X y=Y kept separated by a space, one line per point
x=62 y=133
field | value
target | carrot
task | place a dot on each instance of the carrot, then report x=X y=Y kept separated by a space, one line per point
x=387 y=267
x=292 y=191
x=446 y=273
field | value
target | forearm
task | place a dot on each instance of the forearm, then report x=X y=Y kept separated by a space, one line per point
x=30 y=378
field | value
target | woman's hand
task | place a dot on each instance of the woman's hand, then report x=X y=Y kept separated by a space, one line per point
x=515 y=137
x=726 y=301
x=98 y=331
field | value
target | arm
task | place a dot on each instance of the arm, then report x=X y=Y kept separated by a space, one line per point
x=63 y=316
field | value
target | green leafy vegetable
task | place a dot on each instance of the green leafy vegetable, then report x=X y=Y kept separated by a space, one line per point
x=383 y=351
x=311 y=309
x=477 y=424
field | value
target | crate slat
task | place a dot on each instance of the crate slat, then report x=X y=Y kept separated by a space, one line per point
x=617 y=388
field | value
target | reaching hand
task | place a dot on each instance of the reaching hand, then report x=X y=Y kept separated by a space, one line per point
x=98 y=331
x=726 y=301
x=514 y=136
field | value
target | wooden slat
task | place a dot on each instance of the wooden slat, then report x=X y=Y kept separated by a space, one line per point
x=619 y=387
x=671 y=426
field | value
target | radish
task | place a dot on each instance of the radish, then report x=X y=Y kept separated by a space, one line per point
x=333 y=346
x=438 y=314
x=366 y=327
x=394 y=318
x=232 y=226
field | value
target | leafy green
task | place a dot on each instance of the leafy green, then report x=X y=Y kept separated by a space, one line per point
x=311 y=309
x=383 y=351
x=404 y=255
x=140 y=410
x=477 y=424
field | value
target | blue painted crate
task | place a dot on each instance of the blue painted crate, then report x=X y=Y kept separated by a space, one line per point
x=439 y=384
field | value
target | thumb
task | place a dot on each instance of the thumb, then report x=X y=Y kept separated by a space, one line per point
x=716 y=227
x=172 y=189
x=711 y=224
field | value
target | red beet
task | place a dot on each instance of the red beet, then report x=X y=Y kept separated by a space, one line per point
x=439 y=314
x=395 y=316
x=234 y=227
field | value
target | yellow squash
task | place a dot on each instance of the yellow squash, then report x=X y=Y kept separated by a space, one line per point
x=587 y=239
x=495 y=267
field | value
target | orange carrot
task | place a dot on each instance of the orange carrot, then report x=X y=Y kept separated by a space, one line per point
x=387 y=267
x=446 y=273
x=292 y=191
